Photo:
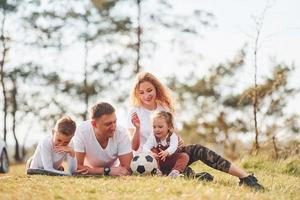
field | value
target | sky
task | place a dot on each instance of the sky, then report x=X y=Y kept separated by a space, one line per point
x=235 y=19
x=280 y=39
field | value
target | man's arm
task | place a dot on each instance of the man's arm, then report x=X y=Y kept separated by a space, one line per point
x=85 y=169
x=125 y=160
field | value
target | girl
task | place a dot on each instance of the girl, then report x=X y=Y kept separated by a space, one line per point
x=149 y=95
x=52 y=150
x=163 y=143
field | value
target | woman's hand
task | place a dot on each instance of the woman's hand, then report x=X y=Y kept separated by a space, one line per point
x=135 y=120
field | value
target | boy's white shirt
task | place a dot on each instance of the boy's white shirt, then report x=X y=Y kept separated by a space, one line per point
x=151 y=142
x=86 y=142
x=45 y=158
x=146 y=128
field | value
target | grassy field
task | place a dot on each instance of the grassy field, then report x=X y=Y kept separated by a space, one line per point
x=281 y=178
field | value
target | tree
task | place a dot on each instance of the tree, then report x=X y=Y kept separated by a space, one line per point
x=94 y=29
x=6 y=8
x=215 y=113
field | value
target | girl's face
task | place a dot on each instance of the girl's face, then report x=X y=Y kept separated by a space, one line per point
x=160 y=128
x=147 y=94
x=60 y=139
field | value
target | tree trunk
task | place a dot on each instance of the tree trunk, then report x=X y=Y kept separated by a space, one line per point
x=139 y=32
x=275 y=147
x=85 y=82
x=255 y=100
x=14 y=111
x=2 y=62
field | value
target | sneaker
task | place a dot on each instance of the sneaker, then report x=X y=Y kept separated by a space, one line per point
x=204 y=176
x=174 y=174
x=158 y=172
x=189 y=172
x=251 y=181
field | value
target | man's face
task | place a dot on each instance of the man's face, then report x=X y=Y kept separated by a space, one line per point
x=106 y=125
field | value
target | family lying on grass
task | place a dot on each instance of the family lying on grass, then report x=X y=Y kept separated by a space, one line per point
x=101 y=147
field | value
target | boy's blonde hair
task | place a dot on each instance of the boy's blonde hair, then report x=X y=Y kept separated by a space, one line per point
x=166 y=116
x=66 y=126
x=163 y=96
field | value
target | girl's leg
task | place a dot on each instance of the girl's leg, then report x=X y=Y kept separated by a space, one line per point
x=180 y=161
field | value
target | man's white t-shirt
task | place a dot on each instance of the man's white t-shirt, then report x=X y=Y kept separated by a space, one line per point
x=86 y=142
x=146 y=128
x=45 y=158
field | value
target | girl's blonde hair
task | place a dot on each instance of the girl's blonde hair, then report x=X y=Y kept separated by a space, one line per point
x=163 y=96
x=167 y=116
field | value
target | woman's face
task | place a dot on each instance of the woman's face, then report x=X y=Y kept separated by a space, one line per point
x=147 y=93
x=160 y=128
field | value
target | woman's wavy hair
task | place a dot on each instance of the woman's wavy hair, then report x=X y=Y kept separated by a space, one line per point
x=163 y=96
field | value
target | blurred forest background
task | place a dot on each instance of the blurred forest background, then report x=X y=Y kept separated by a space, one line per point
x=114 y=41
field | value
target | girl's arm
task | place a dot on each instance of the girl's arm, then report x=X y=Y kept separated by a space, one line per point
x=173 y=144
x=180 y=140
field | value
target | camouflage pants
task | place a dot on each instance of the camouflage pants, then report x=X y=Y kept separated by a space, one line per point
x=198 y=152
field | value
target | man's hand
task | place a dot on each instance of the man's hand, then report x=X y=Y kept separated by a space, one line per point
x=118 y=171
x=163 y=155
x=61 y=149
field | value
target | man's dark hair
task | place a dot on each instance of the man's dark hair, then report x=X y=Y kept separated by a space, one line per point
x=100 y=109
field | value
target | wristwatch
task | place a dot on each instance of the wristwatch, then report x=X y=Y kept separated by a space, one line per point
x=106 y=171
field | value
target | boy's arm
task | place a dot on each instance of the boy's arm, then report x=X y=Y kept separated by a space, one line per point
x=46 y=156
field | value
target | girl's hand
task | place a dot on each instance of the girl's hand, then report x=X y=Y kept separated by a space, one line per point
x=163 y=155
x=135 y=120
x=180 y=142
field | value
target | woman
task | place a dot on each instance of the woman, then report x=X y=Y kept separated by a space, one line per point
x=148 y=95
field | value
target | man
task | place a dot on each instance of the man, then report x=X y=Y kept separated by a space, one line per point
x=99 y=143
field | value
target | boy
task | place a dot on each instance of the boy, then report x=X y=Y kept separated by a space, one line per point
x=54 y=148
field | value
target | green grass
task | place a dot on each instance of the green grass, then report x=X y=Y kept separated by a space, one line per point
x=281 y=178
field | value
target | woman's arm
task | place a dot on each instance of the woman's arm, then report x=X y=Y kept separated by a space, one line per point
x=135 y=132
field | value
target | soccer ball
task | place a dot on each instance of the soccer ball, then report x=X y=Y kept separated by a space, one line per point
x=143 y=164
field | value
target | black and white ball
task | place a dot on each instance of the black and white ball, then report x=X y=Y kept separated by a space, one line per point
x=143 y=164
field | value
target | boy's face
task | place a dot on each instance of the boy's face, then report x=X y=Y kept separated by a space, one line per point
x=60 y=139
